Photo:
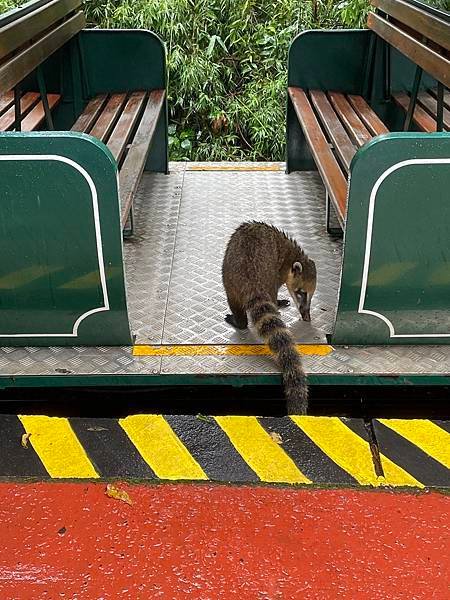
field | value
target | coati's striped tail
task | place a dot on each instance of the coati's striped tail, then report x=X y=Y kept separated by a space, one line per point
x=271 y=328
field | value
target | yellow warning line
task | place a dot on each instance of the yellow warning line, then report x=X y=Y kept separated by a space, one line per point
x=234 y=167
x=260 y=451
x=425 y=435
x=225 y=350
x=162 y=450
x=58 y=447
x=351 y=452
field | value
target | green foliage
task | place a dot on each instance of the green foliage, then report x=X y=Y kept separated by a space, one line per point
x=227 y=65
x=441 y=4
x=354 y=12
x=7 y=5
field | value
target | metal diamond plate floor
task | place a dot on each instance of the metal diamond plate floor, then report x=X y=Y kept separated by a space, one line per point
x=175 y=295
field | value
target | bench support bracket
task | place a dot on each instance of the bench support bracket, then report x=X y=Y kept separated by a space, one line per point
x=17 y=109
x=413 y=99
x=43 y=93
x=332 y=222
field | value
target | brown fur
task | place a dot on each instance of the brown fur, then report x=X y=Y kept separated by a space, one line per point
x=258 y=260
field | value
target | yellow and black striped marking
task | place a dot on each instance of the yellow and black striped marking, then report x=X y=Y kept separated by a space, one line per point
x=237 y=449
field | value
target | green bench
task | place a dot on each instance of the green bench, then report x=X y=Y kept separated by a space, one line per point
x=83 y=113
x=370 y=110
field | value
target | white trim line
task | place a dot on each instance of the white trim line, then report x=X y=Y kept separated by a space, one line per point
x=373 y=194
x=98 y=238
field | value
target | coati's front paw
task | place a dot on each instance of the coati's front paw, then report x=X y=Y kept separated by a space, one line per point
x=283 y=303
x=232 y=321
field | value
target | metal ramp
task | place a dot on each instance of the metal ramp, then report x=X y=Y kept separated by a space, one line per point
x=184 y=221
x=175 y=295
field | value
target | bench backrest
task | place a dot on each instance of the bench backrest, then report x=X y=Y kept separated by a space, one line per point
x=30 y=35
x=417 y=33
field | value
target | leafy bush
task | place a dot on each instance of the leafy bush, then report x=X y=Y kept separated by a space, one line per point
x=7 y=4
x=227 y=65
x=353 y=13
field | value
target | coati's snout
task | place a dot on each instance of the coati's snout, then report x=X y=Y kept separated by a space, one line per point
x=301 y=284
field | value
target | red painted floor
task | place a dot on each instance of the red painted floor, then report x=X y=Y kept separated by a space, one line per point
x=205 y=542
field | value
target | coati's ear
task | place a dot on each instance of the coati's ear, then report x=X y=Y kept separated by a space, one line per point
x=297 y=268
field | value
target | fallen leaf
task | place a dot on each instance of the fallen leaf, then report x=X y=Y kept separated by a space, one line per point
x=276 y=437
x=24 y=440
x=114 y=492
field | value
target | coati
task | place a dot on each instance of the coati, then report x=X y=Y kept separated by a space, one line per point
x=258 y=260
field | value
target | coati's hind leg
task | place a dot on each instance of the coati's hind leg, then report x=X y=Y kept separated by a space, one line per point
x=239 y=321
x=238 y=318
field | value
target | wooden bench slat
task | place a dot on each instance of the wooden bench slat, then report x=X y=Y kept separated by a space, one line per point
x=19 y=32
x=26 y=61
x=8 y=119
x=430 y=104
x=327 y=164
x=330 y=121
x=134 y=162
x=421 y=118
x=108 y=117
x=37 y=114
x=370 y=119
x=6 y=100
x=353 y=124
x=433 y=92
x=90 y=114
x=430 y=26
x=433 y=63
x=125 y=125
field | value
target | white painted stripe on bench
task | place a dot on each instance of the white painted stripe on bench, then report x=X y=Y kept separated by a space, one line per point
x=98 y=238
x=373 y=194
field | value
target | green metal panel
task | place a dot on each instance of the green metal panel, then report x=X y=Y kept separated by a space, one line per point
x=403 y=71
x=61 y=273
x=119 y=60
x=329 y=59
x=323 y=60
x=117 y=381
x=395 y=286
